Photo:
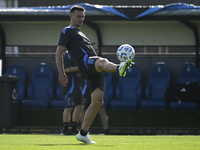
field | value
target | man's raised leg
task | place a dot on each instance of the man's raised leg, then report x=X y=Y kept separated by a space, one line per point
x=102 y=64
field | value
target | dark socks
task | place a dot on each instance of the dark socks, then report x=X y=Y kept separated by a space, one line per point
x=106 y=132
x=83 y=132
x=118 y=68
x=74 y=125
x=65 y=125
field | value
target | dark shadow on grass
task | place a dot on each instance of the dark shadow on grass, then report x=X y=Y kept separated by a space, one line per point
x=73 y=145
x=59 y=144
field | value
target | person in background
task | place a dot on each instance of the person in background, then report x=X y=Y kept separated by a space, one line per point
x=73 y=97
x=87 y=100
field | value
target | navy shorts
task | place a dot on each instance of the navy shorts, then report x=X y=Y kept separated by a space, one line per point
x=73 y=100
x=88 y=71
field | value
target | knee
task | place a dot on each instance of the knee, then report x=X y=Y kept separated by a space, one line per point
x=98 y=102
x=79 y=107
x=67 y=110
x=103 y=61
x=97 y=98
x=101 y=103
x=100 y=63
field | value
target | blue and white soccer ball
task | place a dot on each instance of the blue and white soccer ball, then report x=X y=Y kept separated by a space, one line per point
x=125 y=51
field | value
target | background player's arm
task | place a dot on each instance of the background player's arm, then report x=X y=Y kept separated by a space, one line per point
x=59 y=62
x=71 y=69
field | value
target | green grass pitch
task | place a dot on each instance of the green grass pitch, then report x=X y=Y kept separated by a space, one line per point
x=115 y=142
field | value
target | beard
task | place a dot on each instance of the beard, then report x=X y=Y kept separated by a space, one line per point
x=79 y=24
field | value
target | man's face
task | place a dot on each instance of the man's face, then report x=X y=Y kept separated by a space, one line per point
x=77 y=18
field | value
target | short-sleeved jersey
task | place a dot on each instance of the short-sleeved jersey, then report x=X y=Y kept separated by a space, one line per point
x=74 y=79
x=77 y=44
x=82 y=52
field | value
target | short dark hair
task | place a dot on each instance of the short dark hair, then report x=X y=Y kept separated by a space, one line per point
x=93 y=43
x=77 y=7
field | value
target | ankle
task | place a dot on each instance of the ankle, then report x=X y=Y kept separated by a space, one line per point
x=118 y=68
x=83 y=132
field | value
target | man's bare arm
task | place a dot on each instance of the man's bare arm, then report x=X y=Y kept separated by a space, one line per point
x=59 y=62
x=71 y=69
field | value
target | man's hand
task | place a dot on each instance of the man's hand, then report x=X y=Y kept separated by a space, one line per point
x=63 y=79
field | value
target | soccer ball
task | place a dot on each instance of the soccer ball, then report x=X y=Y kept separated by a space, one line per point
x=125 y=51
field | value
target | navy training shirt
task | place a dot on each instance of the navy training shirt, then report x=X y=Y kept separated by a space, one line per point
x=77 y=44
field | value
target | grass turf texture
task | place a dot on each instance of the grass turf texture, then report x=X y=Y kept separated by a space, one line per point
x=58 y=142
